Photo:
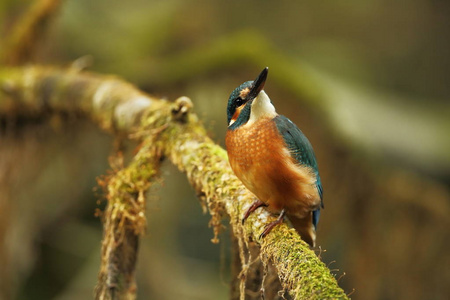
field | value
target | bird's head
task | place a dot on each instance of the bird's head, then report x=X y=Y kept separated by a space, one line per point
x=248 y=102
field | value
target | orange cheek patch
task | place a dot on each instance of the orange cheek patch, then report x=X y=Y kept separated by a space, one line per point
x=236 y=114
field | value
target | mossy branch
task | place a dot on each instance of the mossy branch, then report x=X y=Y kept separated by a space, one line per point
x=165 y=130
x=124 y=221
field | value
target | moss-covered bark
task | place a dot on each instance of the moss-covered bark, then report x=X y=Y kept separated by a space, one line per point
x=165 y=130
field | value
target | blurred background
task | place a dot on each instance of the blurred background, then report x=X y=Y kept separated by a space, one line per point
x=366 y=81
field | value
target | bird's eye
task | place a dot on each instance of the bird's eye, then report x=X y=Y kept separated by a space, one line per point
x=239 y=101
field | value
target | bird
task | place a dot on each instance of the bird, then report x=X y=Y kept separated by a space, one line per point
x=273 y=159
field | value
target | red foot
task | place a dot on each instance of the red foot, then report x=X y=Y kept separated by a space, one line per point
x=258 y=203
x=273 y=224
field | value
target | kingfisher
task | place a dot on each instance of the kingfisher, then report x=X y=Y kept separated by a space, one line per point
x=273 y=159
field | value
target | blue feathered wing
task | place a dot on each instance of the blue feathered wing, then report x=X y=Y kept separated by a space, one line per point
x=302 y=151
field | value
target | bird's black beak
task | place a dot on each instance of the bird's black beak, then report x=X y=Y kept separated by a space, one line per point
x=258 y=84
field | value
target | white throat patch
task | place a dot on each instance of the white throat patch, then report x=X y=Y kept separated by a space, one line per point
x=261 y=107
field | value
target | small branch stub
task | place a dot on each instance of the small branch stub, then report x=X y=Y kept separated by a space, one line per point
x=181 y=108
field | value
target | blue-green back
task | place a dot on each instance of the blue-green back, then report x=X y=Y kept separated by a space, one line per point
x=302 y=151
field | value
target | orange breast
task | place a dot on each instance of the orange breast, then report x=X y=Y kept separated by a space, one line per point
x=260 y=159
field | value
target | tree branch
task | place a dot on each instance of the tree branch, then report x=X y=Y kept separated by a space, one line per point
x=165 y=130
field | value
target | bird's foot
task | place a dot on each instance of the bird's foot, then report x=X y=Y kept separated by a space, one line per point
x=273 y=224
x=258 y=203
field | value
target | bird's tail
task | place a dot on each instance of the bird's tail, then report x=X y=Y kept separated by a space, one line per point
x=305 y=228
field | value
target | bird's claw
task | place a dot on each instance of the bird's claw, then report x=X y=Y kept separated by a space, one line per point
x=270 y=226
x=256 y=204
